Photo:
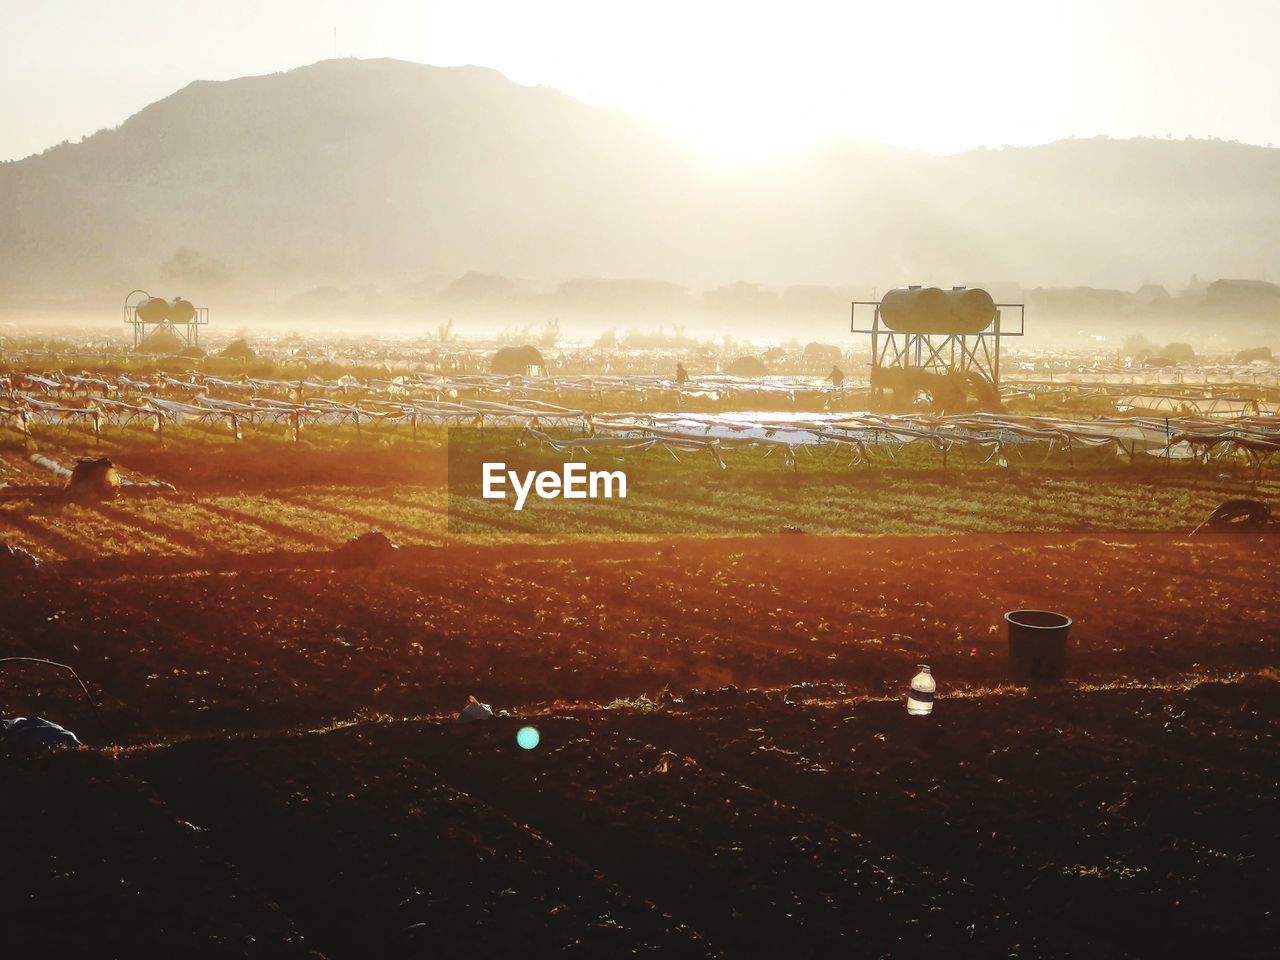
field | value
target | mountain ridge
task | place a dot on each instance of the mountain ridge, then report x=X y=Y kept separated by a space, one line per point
x=389 y=174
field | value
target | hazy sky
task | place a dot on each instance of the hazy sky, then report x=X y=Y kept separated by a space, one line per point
x=738 y=79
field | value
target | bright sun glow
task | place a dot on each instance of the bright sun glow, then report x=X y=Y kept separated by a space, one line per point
x=738 y=80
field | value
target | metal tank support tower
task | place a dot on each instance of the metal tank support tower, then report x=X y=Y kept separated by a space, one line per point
x=928 y=338
x=149 y=315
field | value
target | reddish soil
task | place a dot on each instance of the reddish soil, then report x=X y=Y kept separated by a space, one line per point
x=176 y=647
x=775 y=801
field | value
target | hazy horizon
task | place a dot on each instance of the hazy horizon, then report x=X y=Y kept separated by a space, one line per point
x=611 y=165
x=730 y=81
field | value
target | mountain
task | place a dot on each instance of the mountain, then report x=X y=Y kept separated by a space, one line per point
x=387 y=175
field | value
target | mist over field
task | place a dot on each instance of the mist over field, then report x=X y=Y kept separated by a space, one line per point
x=379 y=193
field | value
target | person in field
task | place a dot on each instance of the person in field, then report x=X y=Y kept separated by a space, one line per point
x=836 y=376
x=682 y=375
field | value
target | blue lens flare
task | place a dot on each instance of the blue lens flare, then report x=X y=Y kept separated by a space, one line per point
x=528 y=737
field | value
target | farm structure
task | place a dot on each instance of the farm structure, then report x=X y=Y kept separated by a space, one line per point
x=1163 y=427
x=163 y=322
x=946 y=342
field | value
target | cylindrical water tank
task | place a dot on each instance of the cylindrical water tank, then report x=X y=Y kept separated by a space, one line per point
x=153 y=310
x=181 y=311
x=915 y=310
x=953 y=312
x=972 y=310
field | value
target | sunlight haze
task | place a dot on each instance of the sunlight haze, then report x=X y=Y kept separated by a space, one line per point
x=734 y=81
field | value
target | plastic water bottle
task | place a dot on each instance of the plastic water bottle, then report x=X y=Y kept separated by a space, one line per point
x=920 y=699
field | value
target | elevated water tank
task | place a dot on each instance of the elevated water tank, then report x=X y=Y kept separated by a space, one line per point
x=153 y=310
x=157 y=310
x=972 y=310
x=181 y=311
x=915 y=310
x=954 y=312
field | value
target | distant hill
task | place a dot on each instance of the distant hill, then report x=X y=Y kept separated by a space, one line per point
x=381 y=174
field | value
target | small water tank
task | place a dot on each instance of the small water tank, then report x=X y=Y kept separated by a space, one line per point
x=954 y=312
x=181 y=311
x=153 y=310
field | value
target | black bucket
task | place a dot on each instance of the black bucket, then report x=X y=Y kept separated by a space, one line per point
x=1037 y=646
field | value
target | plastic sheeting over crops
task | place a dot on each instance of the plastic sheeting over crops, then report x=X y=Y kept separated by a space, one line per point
x=574 y=423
